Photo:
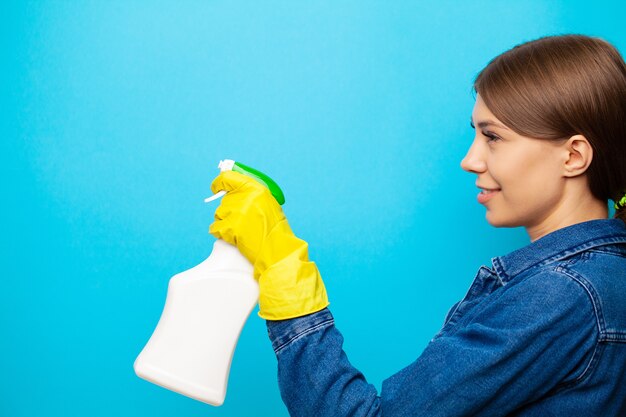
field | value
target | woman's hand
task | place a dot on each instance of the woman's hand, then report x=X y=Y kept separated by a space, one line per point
x=252 y=220
x=247 y=213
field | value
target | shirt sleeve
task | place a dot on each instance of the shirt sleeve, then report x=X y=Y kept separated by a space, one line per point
x=519 y=345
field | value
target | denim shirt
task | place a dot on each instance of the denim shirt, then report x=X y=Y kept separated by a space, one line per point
x=540 y=333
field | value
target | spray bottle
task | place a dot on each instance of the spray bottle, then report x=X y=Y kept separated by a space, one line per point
x=191 y=349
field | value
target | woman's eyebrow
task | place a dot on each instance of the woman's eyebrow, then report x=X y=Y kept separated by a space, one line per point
x=486 y=123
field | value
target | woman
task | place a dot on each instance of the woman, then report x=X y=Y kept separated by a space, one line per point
x=540 y=333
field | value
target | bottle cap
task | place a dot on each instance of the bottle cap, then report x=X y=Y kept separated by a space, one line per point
x=230 y=165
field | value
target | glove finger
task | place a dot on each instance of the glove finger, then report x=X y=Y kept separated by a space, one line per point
x=223 y=211
x=222 y=229
x=228 y=181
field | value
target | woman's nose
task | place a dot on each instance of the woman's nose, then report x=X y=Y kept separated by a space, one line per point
x=473 y=161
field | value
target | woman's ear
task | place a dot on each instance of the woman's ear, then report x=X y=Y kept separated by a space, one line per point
x=579 y=155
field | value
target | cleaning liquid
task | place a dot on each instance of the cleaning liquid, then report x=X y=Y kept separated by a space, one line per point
x=191 y=349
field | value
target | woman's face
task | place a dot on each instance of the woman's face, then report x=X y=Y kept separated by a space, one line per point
x=528 y=172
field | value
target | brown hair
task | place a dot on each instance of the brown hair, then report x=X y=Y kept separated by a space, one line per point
x=557 y=86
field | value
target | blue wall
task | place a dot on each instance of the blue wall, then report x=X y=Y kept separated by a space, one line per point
x=115 y=115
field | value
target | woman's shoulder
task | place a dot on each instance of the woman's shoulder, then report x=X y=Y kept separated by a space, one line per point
x=601 y=272
x=592 y=279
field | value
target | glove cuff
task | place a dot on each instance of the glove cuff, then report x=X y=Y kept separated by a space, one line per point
x=291 y=288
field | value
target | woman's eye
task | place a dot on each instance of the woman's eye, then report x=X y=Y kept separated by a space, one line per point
x=491 y=137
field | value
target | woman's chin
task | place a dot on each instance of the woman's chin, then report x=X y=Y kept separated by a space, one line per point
x=495 y=220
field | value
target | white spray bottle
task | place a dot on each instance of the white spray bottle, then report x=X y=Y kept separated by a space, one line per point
x=191 y=349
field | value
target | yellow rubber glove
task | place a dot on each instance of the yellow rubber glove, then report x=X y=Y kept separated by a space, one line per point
x=251 y=219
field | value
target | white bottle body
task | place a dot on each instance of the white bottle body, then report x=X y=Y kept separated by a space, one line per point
x=191 y=349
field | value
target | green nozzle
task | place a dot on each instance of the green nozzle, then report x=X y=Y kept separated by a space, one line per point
x=262 y=178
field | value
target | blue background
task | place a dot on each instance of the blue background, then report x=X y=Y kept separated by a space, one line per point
x=115 y=115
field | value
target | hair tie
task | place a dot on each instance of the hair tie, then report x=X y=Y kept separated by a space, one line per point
x=621 y=203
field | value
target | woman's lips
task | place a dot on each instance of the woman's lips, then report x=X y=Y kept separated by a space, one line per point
x=486 y=195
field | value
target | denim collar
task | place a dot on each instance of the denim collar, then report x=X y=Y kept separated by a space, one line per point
x=560 y=244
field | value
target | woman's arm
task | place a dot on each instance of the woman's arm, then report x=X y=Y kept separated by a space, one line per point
x=522 y=343
x=314 y=374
